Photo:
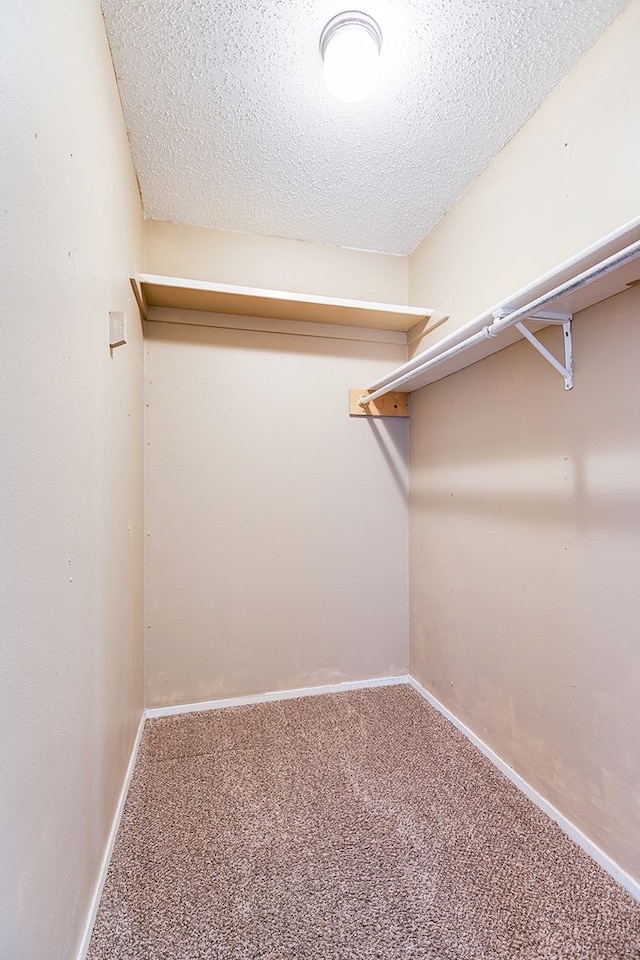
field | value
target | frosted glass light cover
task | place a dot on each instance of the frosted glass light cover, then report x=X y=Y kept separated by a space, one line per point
x=351 y=63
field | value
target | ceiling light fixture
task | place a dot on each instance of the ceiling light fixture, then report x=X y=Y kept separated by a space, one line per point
x=350 y=46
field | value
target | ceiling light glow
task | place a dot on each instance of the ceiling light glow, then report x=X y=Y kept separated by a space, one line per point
x=350 y=46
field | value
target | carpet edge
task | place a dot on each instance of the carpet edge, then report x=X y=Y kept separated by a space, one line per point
x=625 y=880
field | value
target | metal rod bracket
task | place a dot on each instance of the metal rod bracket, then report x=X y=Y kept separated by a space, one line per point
x=558 y=319
x=565 y=370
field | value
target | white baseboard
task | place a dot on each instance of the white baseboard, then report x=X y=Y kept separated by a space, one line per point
x=274 y=695
x=106 y=859
x=566 y=825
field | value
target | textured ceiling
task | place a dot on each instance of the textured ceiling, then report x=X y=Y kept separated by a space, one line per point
x=231 y=127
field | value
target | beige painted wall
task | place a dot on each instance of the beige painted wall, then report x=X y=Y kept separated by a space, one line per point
x=276 y=526
x=71 y=487
x=525 y=502
x=177 y=250
x=569 y=177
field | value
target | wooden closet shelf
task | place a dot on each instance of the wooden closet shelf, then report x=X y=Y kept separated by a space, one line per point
x=220 y=298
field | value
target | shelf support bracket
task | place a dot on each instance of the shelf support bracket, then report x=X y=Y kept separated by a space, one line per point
x=559 y=319
x=140 y=298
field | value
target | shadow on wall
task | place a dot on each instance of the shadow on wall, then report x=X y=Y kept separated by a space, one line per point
x=549 y=491
x=504 y=439
x=394 y=450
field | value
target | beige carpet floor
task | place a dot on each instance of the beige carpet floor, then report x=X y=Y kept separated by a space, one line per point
x=354 y=825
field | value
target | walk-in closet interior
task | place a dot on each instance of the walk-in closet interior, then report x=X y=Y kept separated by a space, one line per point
x=321 y=481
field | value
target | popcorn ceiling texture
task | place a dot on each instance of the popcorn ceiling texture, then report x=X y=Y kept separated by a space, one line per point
x=231 y=126
x=354 y=825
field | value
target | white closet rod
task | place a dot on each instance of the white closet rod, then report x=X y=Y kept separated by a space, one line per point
x=436 y=354
x=614 y=238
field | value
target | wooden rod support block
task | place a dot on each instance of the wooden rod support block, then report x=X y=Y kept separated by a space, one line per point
x=390 y=405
